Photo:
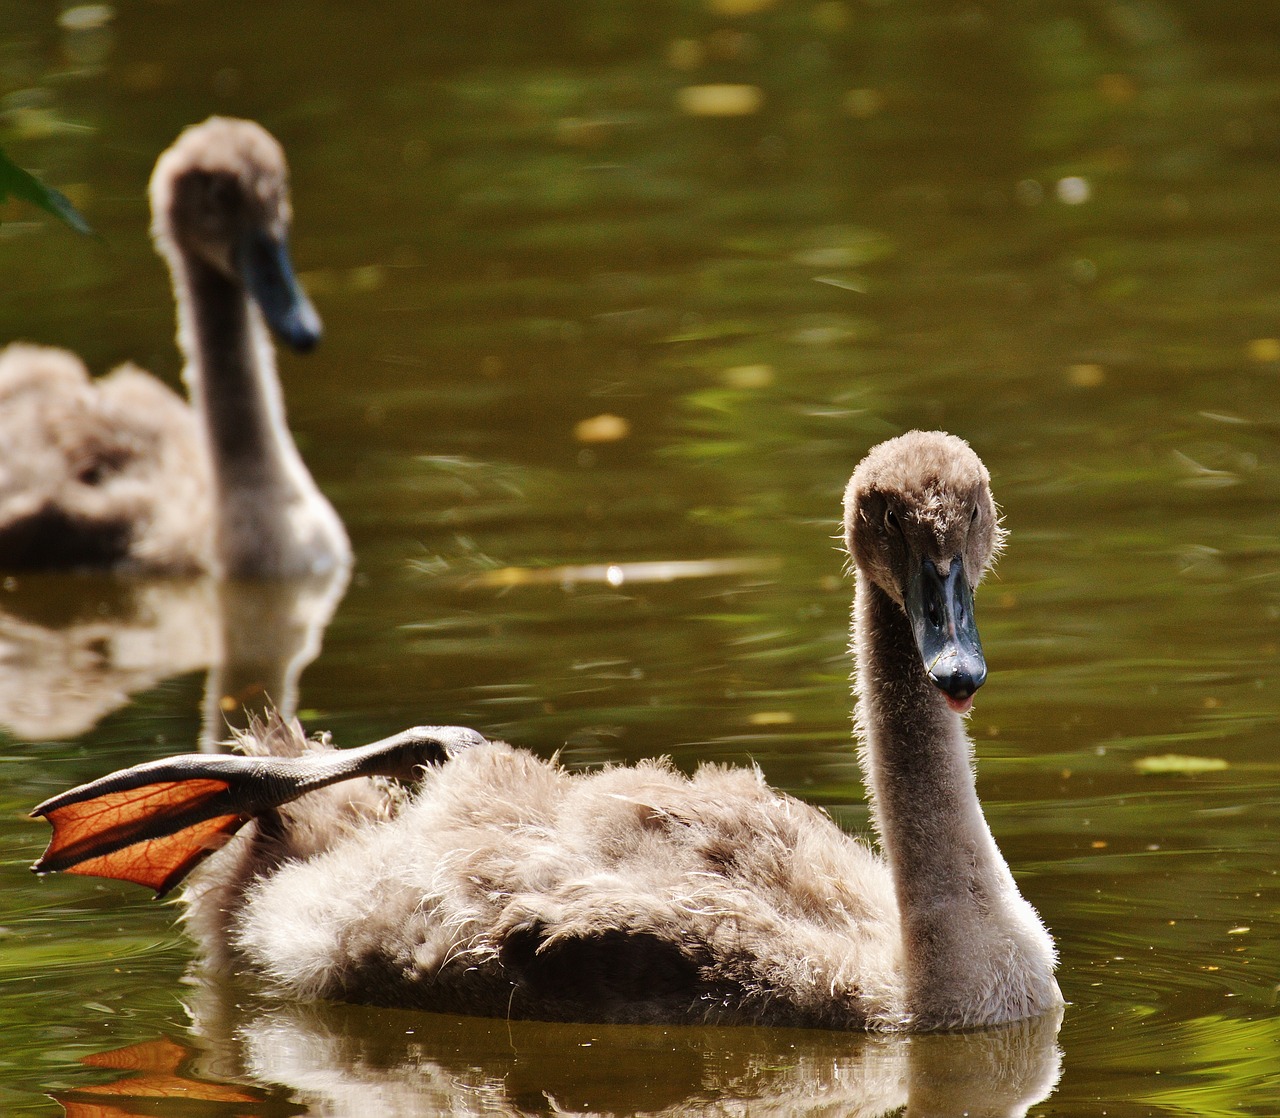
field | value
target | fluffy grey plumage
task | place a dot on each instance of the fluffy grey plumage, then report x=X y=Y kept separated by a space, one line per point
x=505 y=885
x=97 y=473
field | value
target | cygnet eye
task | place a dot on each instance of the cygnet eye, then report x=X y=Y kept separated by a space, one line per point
x=891 y=520
x=219 y=198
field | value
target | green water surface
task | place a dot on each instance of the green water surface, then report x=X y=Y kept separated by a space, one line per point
x=1051 y=228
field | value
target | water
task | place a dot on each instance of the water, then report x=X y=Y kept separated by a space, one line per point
x=1049 y=230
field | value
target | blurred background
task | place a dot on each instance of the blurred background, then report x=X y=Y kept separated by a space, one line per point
x=616 y=295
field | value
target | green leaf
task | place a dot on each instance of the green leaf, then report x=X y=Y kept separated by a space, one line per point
x=22 y=184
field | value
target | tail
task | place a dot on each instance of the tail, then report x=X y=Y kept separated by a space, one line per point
x=153 y=823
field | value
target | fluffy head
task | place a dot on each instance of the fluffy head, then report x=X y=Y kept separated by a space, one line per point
x=923 y=495
x=217 y=182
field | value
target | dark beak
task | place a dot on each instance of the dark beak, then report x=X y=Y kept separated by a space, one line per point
x=941 y=612
x=269 y=276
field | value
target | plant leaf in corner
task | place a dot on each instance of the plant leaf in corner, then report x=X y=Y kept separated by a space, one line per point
x=22 y=184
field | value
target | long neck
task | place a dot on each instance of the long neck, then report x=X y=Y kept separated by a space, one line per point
x=974 y=951
x=271 y=519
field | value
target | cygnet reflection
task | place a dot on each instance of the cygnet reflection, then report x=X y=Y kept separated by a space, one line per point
x=333 y=1059
x=73 y=649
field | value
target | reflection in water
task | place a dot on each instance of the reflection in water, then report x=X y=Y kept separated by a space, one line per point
x=340 y=1060
x=74 y=651
x=268 y=633
x=154 y=1070
x=70 y=659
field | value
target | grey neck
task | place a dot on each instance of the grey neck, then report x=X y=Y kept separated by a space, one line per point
x=958 y=903
x=269 y=518
x=232 y=379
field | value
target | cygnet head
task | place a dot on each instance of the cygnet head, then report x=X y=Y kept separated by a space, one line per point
x=220 y=195
x=921 y=524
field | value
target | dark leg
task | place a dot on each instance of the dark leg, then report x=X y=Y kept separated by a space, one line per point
x=152 y=823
